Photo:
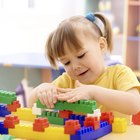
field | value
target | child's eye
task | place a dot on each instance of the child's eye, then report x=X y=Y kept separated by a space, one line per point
x=82 y=55
x=67 y=63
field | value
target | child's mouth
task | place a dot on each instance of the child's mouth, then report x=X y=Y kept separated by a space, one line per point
x=83 y=73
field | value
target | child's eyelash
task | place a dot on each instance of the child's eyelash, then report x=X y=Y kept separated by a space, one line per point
x=81 y=55
x=67 y=63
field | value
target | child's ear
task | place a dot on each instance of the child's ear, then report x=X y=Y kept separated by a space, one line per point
x=103 y=44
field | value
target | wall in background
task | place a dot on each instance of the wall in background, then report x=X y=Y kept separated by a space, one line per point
x=11 y=77
x=25 y=24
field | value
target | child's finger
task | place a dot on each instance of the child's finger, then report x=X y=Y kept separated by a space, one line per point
x=45 y=99
x=64 y=90
x=64 y=97
x=74 y=99
x=39 y=95
x=50 y=99
x=54 y=93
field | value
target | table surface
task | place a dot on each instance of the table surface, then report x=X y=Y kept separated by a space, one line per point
x=132 y=133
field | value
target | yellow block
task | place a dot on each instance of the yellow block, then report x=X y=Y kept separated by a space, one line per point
x=25 y=114
x=119 y=125
x=50 y=133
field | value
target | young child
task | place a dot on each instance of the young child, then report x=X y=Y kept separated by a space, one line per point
x=79 y=44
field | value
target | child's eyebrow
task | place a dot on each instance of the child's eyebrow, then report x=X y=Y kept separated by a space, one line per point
x=62 y=58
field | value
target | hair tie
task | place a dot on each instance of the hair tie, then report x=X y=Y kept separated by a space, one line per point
x=90 y=16
x=100 y=25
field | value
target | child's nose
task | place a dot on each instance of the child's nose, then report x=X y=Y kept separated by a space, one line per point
x=76 y=66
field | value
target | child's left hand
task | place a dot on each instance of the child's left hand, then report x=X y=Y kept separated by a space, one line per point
x=81 y=92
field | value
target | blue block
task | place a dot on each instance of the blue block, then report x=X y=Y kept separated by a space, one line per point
x=103 y=124
x=101 y=132
x=2 y=129
x=87 y=133
x=81 y=118
x=3 y=110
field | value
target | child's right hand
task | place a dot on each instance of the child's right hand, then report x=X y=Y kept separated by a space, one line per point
x=46 y=93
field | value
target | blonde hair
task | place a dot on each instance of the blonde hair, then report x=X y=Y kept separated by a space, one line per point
x=66 y=36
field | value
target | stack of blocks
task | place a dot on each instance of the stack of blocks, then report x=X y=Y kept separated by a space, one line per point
x=73 y=121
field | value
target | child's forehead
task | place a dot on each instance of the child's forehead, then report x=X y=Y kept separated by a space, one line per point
x=68 y=52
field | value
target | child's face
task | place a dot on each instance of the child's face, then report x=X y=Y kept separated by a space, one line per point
x=87 y=64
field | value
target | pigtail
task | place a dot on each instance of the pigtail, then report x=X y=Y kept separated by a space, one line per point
x=107 y=30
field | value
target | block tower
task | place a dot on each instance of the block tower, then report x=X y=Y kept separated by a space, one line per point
x=66 y=121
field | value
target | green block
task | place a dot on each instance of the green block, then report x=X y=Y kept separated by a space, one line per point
x=52 y=117
x=59 y=105
x=39 y=105
x=7 y=97
x=84 y=106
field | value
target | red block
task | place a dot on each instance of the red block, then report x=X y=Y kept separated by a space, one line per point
x=107 y=116
x=40 y=124
x=13 y=107
x=65 y=114
x=136 y=119
x=71 y=126
x=10 y=121
x=92 y=121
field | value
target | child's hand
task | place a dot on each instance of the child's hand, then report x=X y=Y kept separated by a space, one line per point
x=72 y=95
x=46 y=93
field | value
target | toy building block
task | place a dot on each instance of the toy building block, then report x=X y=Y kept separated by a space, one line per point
x=10 y=121
x=71 y=126
x=83 y=134
x=96 y=113
x=107 y=116
x=2 y=129
x=53 y=117
x=103 y=124
x=23 y=131
x=84 y=106
x=3 y=110
x=7 y=97
x=35 y=110
x=136 y=119
x=64 y=113
x=104 y=129
x=13 y=107
x=87 y=133
x=119 y=125
x=80 y=118
x=26 y=132
x=93 y=122
x=25 y=114
x=40 y=124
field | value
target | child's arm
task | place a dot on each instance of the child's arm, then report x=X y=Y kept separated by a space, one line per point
x=46 y=93
x=124 y=102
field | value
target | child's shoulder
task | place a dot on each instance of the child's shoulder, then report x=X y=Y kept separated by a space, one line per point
x=118 y=67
